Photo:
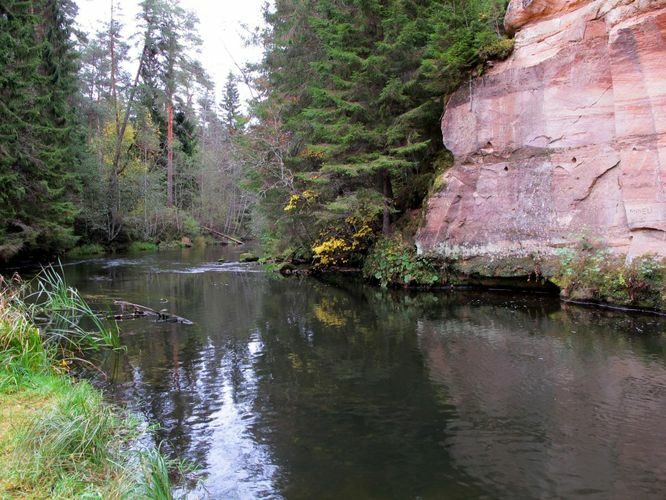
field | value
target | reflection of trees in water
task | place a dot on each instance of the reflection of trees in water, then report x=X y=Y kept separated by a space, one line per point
x=344 y=401
x=174 y=373
x=355 y=391
x=552 y=402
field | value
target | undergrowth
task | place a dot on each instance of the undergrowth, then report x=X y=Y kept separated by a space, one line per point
x=393 y=262
x=86 y=250
x=142 y=246
x=590 y=272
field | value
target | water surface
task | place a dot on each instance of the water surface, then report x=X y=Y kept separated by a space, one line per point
x=297 y=388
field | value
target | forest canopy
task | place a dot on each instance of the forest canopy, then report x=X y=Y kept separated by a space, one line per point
x=104 y=142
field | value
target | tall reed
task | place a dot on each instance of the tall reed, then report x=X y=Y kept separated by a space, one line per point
x=60 y=311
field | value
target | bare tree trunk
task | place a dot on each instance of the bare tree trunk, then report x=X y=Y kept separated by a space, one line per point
x=114 y=64
x=128 y=108
x=113 y=201
x=388 y=198
x=169 y=153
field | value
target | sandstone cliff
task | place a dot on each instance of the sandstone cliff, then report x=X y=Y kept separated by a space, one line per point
x=567 y=137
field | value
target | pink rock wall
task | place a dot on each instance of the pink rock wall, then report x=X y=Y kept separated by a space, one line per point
x=566 y=138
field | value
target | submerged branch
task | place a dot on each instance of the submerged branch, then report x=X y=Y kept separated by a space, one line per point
x=138 y=311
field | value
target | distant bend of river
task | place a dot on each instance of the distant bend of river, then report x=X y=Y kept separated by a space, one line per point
x=297 y=388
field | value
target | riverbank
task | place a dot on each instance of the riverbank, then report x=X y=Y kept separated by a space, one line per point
x=588 y=274
x=58 y=437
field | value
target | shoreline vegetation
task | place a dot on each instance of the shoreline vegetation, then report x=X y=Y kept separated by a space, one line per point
x=59 y=438
x=333 y=156
x=587 y=275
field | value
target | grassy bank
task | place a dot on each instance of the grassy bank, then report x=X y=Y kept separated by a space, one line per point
x=58 y=437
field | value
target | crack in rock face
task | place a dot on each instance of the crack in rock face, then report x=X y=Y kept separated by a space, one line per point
x=566 y=137
x=522 y=12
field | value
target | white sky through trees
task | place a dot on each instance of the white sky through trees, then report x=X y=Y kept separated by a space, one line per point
x=220 y=28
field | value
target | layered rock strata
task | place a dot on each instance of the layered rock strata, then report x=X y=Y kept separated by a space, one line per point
x=565 y=138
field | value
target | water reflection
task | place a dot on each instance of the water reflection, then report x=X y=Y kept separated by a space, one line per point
x=560 y=405
x=305 y=389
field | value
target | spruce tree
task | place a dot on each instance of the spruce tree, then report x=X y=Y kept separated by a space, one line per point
x=40 y=138
x=231 y=104
x=361 y=86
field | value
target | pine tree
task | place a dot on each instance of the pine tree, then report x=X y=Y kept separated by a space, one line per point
x=169 y=72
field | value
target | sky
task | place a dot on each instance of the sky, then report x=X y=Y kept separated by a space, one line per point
x=220 y=29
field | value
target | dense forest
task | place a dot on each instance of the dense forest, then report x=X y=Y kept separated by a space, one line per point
x=106 y=143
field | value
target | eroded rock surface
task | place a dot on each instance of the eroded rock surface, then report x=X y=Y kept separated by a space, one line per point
x=566 y=138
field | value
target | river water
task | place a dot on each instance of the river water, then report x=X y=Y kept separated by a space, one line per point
x=297 y=388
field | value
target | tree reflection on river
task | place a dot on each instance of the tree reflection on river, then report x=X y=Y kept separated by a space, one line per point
x=300 y=388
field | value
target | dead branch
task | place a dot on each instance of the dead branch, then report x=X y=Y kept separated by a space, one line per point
x=139 y=311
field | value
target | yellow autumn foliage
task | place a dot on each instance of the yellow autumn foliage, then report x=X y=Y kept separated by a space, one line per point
x=300 y=200
x=325 y=312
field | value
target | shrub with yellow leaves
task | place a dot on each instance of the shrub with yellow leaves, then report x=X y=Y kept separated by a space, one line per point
x=347 y=243
x=300 y=200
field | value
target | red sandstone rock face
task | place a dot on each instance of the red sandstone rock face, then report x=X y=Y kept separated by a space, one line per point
x=566 y=138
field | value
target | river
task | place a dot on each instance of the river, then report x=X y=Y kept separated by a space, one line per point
x=297 y=388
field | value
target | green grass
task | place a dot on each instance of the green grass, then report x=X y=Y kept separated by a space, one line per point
x=142 y=246
x=155 y=470
x=88 y=250
x=62 y=314
x=58 y=437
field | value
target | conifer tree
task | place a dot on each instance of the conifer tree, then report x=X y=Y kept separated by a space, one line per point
x=361 y=86
x=169 y=71
x=40 y=139
x=231 y=104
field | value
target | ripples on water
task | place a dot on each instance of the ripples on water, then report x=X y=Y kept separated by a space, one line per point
x=300 y=389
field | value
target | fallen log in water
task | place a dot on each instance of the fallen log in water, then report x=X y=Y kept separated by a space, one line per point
x=217 y=233
x=139 y=311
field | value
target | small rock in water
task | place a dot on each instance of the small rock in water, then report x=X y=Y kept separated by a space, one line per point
x=248 y=257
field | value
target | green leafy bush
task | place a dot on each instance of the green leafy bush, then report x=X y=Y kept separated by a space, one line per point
x=592 y=273
x=496 y=49
x=190 y=227
x=142 y=246
x=392 y=262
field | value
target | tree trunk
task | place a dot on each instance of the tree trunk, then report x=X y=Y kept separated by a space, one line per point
x=113 y=200
x=169 y=153
x=114 y=63
x=388 y=199
x=128 y=109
